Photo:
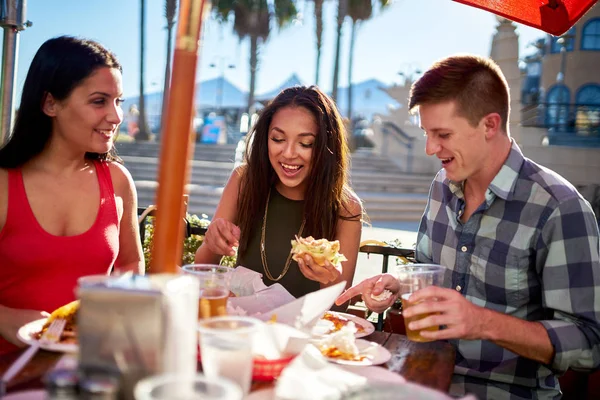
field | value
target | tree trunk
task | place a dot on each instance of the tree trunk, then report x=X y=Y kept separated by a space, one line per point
x=143 y=133
x=253 y=69
x=338 y=45
x=167 y=78
x=350 y=61
x=319 y=31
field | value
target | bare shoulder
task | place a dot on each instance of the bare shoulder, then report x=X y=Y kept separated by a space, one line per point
x=121 y=178
x=352 y=206
x=235 y=179
x=238 y=172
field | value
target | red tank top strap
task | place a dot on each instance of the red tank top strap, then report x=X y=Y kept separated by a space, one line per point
x=18 y=205
x=108 y=207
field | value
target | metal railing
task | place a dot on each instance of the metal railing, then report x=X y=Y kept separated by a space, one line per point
x=389 y=129
x=580 y=118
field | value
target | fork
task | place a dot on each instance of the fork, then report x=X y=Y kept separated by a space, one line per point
x=52 y=335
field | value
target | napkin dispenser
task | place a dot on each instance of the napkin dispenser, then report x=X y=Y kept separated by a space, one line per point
x=137 y=326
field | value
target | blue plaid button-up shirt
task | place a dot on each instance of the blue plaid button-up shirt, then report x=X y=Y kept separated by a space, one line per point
x=531 y=250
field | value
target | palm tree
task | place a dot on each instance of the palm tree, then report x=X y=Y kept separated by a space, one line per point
x=319 y=35
x=342 y=5
x=358 y=10
x=170 y=11
x=143 y=133
x=252 y=19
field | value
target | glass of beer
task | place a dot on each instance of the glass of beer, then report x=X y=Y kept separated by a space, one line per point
x=412 y=278
x=214 y=288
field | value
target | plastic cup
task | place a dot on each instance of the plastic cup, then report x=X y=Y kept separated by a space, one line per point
x=226 y=348
x=412 y=278
x=214 y=288
x=197 y=387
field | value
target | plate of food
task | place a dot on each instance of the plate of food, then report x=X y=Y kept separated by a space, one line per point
x=333 y=321
x=343 y=348
x=32 y=331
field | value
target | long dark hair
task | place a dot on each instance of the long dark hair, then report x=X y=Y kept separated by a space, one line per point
x=328 y=179
x=59 y=66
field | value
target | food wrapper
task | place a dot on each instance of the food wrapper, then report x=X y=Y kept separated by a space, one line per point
x=252 y=296
x=245 y=282
x=274 y=303
x=274 y=341
x=303 y=313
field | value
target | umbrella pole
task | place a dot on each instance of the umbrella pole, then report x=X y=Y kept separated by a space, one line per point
x=176 y=140
x=12 y=15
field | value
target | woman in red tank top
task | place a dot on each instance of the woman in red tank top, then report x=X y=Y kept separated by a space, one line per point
x=67 y=207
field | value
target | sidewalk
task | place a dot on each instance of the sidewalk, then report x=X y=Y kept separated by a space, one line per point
x=369 y=265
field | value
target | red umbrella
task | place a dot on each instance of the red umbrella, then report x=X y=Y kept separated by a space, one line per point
x=552 y=16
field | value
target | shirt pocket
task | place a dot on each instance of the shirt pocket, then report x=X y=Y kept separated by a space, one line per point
x=501 y=278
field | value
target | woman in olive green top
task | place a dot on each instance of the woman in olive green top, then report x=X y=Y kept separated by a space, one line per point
x=294 y=182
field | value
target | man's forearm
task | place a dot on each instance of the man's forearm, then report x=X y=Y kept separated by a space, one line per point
x=525 y=338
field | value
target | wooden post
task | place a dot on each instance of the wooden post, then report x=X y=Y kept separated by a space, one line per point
x=174 y=155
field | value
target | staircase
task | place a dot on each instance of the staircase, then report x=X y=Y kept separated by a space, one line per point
x=388 y=193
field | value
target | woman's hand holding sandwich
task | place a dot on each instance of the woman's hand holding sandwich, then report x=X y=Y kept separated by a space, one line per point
x=321 y=273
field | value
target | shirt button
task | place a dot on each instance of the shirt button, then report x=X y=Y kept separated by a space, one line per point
x=458 y=288
x=463 y=249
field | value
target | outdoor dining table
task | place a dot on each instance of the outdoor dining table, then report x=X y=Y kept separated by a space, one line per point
x=428 y=364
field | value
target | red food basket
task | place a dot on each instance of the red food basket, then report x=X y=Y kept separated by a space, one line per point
x=269 y=370
x=266 y=370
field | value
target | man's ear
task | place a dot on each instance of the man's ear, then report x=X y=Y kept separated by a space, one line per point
x=49 y=105
x=491 y=125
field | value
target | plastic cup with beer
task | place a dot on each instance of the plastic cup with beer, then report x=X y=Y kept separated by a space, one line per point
x=414 y=277
x=214 y=288
x=226 y=348
x=198 y=387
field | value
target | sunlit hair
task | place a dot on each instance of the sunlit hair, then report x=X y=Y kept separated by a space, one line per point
x=327 y=182
x=475 y=83
x=59 y=66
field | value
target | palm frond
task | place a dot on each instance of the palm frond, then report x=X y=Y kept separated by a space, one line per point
x=170 y=11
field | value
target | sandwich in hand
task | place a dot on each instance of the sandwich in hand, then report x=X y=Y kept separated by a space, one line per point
x=320 y=250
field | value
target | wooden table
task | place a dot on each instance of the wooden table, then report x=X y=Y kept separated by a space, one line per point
x=429 y=364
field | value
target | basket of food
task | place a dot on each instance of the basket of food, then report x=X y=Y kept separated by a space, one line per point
x=265 y=370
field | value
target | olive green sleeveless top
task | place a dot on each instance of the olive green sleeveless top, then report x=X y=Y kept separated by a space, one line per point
x=283 y=222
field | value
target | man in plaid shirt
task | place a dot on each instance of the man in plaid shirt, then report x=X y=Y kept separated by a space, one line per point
x=521 y=295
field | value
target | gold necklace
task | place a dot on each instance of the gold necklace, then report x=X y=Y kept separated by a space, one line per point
x=263 y=254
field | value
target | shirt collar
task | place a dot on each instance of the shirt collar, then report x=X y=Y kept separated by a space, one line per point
x=505 y=180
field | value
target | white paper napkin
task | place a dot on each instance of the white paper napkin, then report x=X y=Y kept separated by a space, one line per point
x=311 y=377
x=303 y=313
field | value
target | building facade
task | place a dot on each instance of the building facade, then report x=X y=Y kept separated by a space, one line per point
x=561 y=84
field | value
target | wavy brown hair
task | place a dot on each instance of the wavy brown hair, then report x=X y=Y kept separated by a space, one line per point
x=328 y=178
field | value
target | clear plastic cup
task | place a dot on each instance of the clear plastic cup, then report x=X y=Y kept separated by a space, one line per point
x=226 y=348
x=214 y=288
x=197 y=387
x=414 y=277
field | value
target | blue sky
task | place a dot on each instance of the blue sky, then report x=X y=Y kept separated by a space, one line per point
x=409 y=34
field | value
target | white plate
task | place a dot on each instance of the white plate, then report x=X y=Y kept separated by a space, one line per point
x=358 y=321
x=375 y=354
x=25 y=335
